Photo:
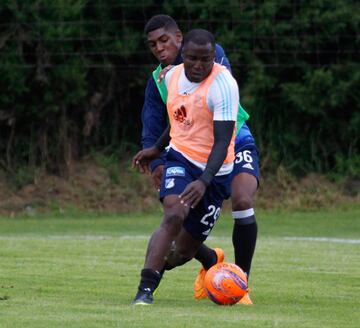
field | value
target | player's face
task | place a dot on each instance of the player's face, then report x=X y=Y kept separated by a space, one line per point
x=198 y=61
x=165 y=44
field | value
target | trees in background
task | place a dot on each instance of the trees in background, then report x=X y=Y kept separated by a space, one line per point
x=73 y=74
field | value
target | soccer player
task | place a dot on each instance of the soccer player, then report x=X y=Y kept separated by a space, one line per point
x=202 y=104
x=165 y=42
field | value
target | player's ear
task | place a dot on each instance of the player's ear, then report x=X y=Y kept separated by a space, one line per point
x=179 y=36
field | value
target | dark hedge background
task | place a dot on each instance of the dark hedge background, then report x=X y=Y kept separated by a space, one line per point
x=72 y=78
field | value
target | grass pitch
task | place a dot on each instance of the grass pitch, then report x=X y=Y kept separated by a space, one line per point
x=83 y=272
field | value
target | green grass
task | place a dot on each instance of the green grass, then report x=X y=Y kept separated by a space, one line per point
x=83 y=272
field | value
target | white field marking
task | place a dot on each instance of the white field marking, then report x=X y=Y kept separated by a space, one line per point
x=75 y=237
x=325 y=239
x=93 y=237
x=147 y=237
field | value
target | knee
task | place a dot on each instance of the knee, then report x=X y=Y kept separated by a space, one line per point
x=172 y=222
x=242 y=202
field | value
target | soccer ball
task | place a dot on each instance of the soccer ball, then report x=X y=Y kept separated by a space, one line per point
x=225 y=283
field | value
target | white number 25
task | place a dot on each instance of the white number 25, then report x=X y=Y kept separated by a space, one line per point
x=213 y=214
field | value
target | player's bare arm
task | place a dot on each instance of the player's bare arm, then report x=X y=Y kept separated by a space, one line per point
x=142 y=159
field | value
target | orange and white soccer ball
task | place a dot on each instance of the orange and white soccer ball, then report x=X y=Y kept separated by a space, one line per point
x=225 y=283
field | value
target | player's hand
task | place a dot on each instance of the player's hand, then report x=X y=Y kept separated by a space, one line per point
x=163 y=72
x=142 y=159
x=156 y=176
x=193 y=193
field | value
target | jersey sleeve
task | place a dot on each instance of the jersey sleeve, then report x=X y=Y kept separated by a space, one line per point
x=220 y=57
x=153 y=115
x=153 y=119
x=223 y=97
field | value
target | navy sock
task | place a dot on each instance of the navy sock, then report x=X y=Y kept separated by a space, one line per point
x=244 y=241
x=206 y=256
x=150 y=279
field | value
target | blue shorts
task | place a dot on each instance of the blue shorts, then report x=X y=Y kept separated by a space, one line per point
x=178 y=173
x=246 y=160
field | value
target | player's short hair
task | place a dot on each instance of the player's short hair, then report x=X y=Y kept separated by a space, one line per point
x=199 y=37
x=160 y=21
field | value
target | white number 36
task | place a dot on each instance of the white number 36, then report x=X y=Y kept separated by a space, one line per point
x=243 y=156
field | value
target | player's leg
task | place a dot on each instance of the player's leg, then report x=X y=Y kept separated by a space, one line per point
x=184 y=249
x=177 y=175
x=243 y=187
x=159 y=247
x=186 y=246
x=207 y=215
x=207 y=256
x=244 y=237
x=161 y=240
